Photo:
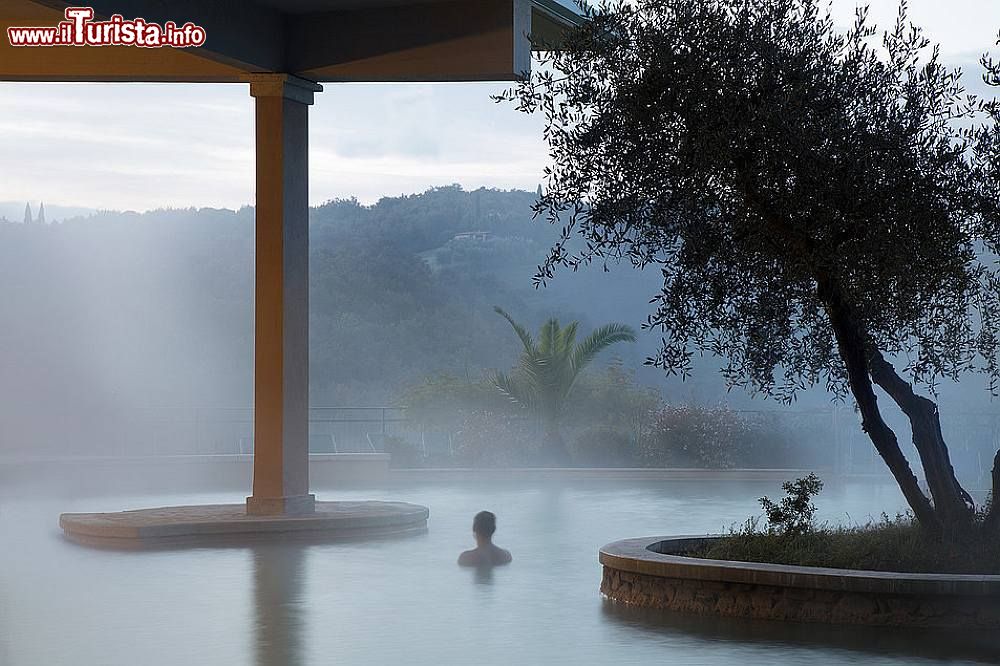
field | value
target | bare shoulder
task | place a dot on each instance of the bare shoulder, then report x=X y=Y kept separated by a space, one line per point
x=503 y=556
x=469 y=558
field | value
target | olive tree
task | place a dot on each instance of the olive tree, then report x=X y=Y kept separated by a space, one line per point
x=824 y=205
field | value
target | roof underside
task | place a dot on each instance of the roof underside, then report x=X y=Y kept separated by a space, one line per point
x=314 y=6
x=322 y=40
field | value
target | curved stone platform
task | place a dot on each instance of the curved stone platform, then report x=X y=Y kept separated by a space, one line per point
x=650 y=572
x=231 y=525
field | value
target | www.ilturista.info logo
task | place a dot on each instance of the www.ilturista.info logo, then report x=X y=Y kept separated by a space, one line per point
x=79 y=29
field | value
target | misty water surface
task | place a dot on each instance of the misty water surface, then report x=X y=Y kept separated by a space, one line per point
x=404 y=600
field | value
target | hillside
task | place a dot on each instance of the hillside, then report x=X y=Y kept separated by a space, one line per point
x=122 y=310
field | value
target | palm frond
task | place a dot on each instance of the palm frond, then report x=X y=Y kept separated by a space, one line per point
x=600 y=339
x=517 y=392
x=547 y=370
x=567 y=340
x=547 y=336
x=522 y=332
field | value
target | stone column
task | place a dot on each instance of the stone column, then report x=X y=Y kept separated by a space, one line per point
x=281 y=342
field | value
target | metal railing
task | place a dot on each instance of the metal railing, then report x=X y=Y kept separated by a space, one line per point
x=835 y=434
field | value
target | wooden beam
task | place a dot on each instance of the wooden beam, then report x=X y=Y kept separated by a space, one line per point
x=432 y=40
x=110 y=63
x=443 y=40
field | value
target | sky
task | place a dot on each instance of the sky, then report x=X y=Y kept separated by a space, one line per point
x=145 y=146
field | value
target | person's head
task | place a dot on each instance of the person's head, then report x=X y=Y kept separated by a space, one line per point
x=484 y=525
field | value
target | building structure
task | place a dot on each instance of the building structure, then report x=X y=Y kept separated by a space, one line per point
x=284 y=51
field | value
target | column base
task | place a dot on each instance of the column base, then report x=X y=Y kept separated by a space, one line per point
x=297 y=505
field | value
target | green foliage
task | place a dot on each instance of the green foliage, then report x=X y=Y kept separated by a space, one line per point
x=376 y=322
x=795 y=513
x=612 y=398
x=713 y=438
x=888 y=544
x=157 y=308
x=688 y=436
x=495 y=439
x=548 y=369
x=616 y=423
x=607 y=410
x=510 y=257
x=603 y=446
x=440 y=400
x=814 y=202
x=752 y=153
x=394 y=298
x=428 y=221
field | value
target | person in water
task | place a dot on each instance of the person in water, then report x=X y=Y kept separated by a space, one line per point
x=485 y=553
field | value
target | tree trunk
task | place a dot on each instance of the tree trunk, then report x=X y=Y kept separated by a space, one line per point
x=852 y=346
x=993 y=517
x=556 y=453
x=852 y=343
x=952 y=503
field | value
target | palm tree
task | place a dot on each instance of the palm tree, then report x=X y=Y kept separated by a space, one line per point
x=548 y=370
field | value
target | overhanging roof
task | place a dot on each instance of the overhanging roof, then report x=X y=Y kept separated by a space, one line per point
x=549 y=21
x=322 y=40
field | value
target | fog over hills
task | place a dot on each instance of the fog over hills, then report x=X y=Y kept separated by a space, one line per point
x=154 y=310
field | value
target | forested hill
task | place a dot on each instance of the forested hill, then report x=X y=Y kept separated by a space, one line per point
x=155 y=310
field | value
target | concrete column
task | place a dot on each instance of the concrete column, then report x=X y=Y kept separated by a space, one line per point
x=281 y=347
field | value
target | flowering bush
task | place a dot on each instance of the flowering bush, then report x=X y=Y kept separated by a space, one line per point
x=688 y=436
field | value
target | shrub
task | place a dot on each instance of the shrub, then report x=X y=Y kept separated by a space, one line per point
x=887 y=544
x=603 y=446
x=495 y=439
x=796 y=512
x=686 y=436
x=443 y=400
x=718 y=438
x=612 y=398
x=402 y=453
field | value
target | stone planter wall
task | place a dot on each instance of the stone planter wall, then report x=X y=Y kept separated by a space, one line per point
x=647 y=573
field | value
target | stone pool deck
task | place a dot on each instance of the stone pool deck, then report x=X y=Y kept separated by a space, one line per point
x=652 y=572
x=230 y=523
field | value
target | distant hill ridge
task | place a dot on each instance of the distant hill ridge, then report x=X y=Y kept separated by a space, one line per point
x=156 y=307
